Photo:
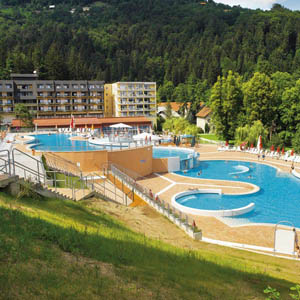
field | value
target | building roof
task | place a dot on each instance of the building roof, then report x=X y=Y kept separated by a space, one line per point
x=204 y=112
x=65 y=122
x=174 y=105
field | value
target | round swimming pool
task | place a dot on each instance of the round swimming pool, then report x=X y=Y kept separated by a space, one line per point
x=277 y=200
x=163 y=152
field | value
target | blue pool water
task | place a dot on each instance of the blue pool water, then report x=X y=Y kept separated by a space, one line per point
x=165 y=152
x=61 y=142
x=277 y=200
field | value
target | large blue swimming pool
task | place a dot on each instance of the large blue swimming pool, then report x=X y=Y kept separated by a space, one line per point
x=61 y=143
x=277 y=200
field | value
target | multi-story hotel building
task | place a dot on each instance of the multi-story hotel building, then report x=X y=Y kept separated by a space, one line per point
x=81 y=98
x=131 y=99
x=52 y=98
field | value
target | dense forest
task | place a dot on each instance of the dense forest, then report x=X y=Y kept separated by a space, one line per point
x=195 y=50
x=160 y=40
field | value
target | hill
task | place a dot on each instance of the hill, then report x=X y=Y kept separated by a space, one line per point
x=160 y=40
x=60 y=249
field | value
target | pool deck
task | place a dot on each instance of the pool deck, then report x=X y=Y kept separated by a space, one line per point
x=169 y=184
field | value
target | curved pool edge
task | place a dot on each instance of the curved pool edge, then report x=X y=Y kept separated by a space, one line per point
x=255 y=187
x=210 y=213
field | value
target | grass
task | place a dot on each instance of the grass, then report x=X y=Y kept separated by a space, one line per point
x=60 y=177
x=211 y=137
x=61 y=249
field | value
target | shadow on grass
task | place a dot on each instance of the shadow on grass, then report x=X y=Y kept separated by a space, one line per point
x=149 y=262
x=67 y=209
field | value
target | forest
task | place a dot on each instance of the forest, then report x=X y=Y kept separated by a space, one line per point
x=189 y=47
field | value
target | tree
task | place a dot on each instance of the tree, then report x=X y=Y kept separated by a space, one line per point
x=226 y=103
x=168 y=112
x=259 y=98
x=23 y=114
x=296 y=141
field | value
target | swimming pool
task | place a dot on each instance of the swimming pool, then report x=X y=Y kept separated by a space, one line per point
x=162 y=152
x=61 y=142
x=277 y=200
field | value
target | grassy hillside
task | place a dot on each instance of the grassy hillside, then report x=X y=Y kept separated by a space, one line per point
x=60 y=249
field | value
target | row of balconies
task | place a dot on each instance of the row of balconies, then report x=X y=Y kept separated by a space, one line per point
x=65 y=101
x=146 y=101
x=136 y=87
x=70 y=94
x=70 y=86
x=52 y=109
x=136 y=114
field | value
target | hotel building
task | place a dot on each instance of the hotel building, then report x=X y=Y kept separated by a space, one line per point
x=51 y=98
x=131 y=99
x=80 y=98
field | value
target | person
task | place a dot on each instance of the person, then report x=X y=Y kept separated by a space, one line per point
x=199 y=173
x=263 y=156
x=298 y=251
x=250 y=176
x=296 y=240
x=258 y=156
x=150 y=194
x=292 y=167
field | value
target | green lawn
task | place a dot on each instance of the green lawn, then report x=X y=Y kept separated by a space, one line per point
x=212 y=137
x=53 y=249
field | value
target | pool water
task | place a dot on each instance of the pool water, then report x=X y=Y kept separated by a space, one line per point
x=165 y=152
x=277 y=200
x=61 y=142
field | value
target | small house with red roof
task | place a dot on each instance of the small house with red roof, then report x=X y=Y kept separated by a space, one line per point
x=203 y=117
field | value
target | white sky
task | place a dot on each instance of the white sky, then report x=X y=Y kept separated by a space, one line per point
x=262 y=4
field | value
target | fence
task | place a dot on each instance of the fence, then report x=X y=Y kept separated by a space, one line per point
x=176 y=216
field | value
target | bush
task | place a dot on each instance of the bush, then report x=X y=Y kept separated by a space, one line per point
x=296 y=141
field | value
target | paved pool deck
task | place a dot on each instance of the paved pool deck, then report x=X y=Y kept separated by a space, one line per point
x=169 y=184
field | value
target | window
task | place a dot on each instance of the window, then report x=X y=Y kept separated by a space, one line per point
x=8 y=86
x=75 y=86
x=49 y=86
x=58 y=86
x=66 y=86
x=0 y=86
x=91 y=86
x=82 y=86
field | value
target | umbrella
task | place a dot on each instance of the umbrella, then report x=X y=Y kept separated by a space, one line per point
x=278 y=149
x=226 y=144
x=259 y=143
x=120 y=125
x=72 y=124
x=282 y=151
x=292 y=153
x=272 y=148
x=251 y=146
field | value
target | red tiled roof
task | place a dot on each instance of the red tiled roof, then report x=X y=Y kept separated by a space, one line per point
x=174 y=105
x=61 y=122
x=204 y=112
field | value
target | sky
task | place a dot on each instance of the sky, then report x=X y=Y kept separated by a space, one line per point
x=262 y=4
